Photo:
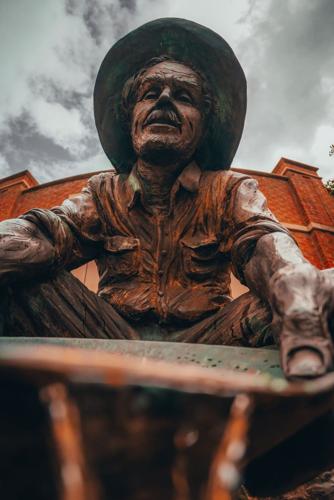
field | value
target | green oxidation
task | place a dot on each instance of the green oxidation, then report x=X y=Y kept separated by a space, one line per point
x=240 y=359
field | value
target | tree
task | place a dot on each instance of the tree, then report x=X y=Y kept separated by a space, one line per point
x=329 y=185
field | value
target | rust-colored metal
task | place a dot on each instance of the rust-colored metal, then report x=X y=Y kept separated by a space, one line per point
x=76 y=482
x=118 y=369
x=156 y=424
x=238 y=359
x=167 y=232
x=226 y=470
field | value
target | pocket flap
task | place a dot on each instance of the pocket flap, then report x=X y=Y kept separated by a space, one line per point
x=117 y=244
x=200 y=242
x=201 y=248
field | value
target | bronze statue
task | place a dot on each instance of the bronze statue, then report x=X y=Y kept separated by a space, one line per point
x=170 y=102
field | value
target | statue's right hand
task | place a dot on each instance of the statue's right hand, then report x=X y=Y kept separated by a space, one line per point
x=23 y=248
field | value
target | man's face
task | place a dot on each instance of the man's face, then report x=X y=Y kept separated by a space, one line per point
x=167 y=118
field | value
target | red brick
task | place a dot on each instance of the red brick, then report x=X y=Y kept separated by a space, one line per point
x=294 y=191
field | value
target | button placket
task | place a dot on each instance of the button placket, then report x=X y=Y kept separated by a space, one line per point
x=162 y=255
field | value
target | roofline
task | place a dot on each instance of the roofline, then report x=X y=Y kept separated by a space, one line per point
x=260 y=173
x=22 y=173
x=297 y=163
x=96 y=172
x=85 y=175
x=66 y=179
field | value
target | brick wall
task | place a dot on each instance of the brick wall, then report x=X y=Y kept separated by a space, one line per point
x=11 y=189
x=49 y=195
x=316 y=236
x=294 y=191
x=280 y=195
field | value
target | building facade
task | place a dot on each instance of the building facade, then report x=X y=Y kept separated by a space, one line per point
x=295 y=194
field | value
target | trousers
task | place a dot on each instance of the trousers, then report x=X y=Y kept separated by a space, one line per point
x=63 y=307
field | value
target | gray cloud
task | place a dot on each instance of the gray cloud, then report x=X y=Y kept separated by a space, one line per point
x=46 y=119
x=52 y=50
x=290 y=68
x=23 y=140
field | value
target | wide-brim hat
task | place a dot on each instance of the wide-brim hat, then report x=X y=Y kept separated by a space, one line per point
x=186 y=42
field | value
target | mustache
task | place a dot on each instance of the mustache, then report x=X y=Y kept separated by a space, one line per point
x=165 y=115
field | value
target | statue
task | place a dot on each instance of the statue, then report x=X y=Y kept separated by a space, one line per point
x=166 y=230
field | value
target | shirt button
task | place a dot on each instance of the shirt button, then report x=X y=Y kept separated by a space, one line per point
x=164 y=252
x=160 y=272
x=160 y=293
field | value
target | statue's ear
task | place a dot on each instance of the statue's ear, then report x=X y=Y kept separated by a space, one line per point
x=127 y=101
x=201 y=155
x=211 y=153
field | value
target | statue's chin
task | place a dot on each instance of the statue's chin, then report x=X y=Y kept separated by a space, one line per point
x=162 y=153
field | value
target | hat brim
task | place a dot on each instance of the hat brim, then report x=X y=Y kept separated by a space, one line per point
x=187 y=42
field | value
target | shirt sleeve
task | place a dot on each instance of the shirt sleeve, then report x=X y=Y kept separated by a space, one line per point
x=43 y=241
x=250 y=219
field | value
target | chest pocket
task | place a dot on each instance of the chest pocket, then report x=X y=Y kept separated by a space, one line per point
x=200 y=257
x=122 y=256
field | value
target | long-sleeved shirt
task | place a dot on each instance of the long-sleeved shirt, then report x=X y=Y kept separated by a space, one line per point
x=173 y=268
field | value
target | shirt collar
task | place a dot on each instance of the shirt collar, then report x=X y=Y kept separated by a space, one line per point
x=189 y=179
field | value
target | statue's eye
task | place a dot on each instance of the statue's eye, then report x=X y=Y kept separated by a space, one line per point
x=151 y=94
x=183 y=96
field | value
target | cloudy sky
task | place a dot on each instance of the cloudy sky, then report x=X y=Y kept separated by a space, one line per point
x=51 y=50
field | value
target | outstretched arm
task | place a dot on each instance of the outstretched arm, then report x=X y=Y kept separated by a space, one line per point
x=24 y=251
x=268 y=261
x=43 y=241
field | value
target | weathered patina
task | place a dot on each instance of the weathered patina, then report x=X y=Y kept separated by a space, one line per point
x=166 y=230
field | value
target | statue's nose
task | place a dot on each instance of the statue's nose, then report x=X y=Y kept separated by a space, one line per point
x=166 y=95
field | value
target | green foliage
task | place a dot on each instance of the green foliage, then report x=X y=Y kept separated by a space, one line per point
x=329 y=185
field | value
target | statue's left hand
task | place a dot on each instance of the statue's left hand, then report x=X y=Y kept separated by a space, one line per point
x=302 y=299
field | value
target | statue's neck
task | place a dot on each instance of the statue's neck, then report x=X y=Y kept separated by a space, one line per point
x=157 y=182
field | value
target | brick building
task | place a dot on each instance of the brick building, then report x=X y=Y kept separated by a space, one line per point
x=294 y=191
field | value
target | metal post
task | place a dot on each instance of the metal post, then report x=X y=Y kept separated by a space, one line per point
x=225 y=473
